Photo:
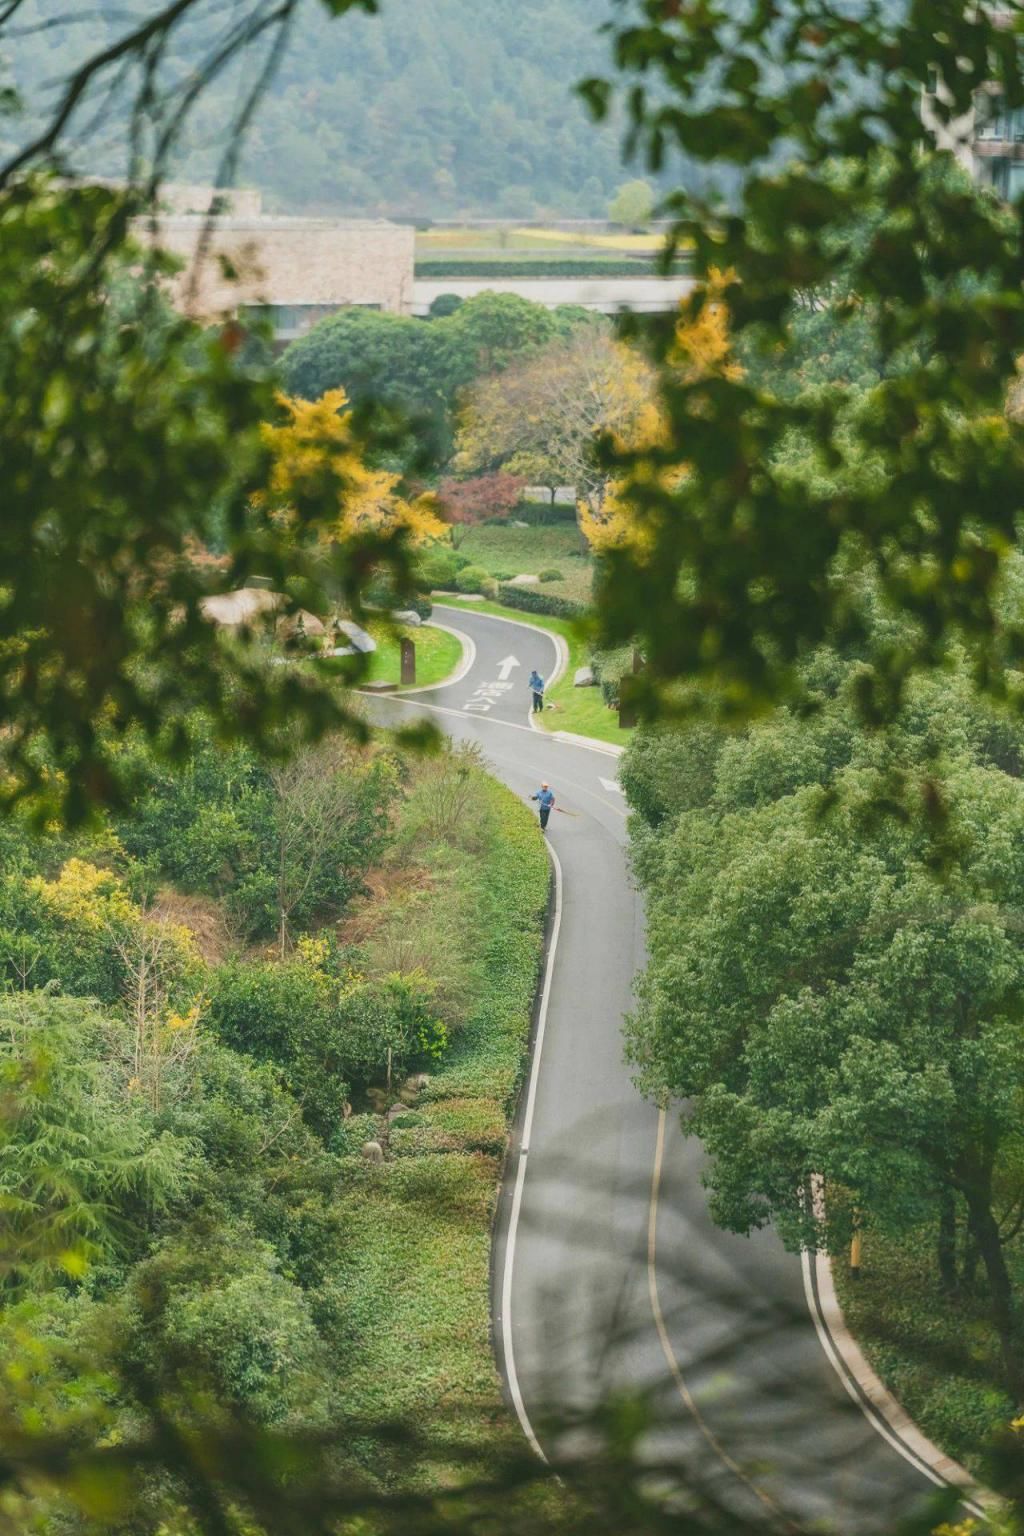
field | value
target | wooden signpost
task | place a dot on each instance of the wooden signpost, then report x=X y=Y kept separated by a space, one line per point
x=408 y=662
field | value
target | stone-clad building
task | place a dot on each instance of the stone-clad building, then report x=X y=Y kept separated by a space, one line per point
x=295 y=270
x=988 y=141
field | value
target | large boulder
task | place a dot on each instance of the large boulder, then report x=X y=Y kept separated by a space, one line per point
x=359 y=640
x=407 y=616
x=584 y=677
x=373 y=1151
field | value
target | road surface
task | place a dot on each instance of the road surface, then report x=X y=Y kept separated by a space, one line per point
x=609 y=1275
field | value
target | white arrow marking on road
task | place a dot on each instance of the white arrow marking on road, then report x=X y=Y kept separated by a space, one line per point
x=506 y=667
x=613 y=785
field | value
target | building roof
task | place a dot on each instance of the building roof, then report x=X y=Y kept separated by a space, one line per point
x=230 y=224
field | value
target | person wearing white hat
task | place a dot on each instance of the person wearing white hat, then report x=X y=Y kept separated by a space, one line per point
x=547 y=803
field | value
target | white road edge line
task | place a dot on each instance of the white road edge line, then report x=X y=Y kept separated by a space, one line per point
x=835 y=1352
x=517 y=1196
x=873 y=1399
x=573 y=739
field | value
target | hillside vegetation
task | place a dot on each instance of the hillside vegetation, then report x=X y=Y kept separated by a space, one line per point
x=219 y=1233
x=433 y=107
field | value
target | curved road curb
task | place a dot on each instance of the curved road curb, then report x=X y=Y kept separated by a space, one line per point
x=468 y=658
x=561 y=666
x=883 y=1411
x=508 y=1358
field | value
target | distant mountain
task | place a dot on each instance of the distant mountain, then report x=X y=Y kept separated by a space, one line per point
x=433 y=108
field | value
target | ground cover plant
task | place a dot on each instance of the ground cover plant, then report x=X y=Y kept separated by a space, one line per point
x=219 y=1097
x=416 y=1255
x=937 y=1353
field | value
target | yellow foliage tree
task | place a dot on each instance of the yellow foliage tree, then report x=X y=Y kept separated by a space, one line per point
x=85 y=896
x=702 y=349
x=540 y=418
x=315 y=450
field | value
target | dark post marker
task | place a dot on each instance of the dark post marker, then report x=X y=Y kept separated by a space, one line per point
x=408 y=662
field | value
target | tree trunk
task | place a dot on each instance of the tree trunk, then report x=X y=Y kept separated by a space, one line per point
x=985 y=1232
x=282 y=885
x=947 y=1242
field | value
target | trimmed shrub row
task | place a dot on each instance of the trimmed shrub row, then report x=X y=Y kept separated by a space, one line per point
x=543 y=512
x=530 y=600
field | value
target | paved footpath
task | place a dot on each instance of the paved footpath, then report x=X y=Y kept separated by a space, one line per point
x=609 y=1275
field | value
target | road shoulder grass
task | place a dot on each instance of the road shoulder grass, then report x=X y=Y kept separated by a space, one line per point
x=413 y=1280
x=938 y=1355
x=438 y=654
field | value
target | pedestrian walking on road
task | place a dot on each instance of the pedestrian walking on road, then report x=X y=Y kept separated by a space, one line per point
x=537 y=689
x=547 y=804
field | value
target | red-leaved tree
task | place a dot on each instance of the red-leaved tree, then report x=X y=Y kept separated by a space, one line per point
x=467 y=502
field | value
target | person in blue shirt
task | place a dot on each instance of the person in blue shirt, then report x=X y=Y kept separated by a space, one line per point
x=547 y=804
x=537 y=689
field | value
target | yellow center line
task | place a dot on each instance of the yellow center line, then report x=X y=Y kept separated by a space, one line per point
x=668 y=1351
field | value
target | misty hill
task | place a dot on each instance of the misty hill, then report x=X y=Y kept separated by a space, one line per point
x=434 y=107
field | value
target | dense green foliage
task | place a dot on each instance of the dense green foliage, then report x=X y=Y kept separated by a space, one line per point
x=285 y=844
x=190 y=1235
x=914 y=482
x=415 y=367
x=839 y=992
x=532 y=600
x=445 y=108
x=101 y=623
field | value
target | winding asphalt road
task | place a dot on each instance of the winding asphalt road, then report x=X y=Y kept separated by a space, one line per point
x=609 y=1276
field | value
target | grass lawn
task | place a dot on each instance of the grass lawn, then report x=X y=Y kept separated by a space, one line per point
x=437 y=655
x=939 y=1356
x=581 y=710
x=517 y=551
x=504 y=551
x=411 y=1279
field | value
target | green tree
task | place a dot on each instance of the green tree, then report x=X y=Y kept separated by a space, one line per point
x=832 y=1007
x=417 y=369
x=391 y=360
x=101 y=623
x=84 y=1168
x=745 y=567
x=281 y=843
x=488 y=333
x=632 y=205
x=215 y=1302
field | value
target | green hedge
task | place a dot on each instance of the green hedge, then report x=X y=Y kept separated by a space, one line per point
x=530 y=600
x=539 y=267
x=543 y=513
